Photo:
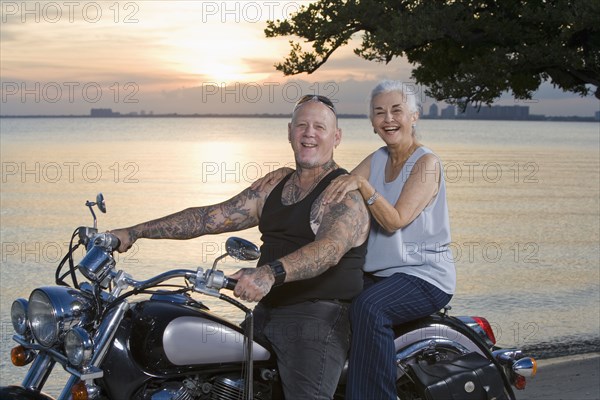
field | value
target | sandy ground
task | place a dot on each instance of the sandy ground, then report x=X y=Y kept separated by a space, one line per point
x=565 y=378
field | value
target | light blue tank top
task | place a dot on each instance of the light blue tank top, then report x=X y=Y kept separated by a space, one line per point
x=420 y=248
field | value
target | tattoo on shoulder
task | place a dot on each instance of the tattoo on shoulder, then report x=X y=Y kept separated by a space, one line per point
x=350 y=219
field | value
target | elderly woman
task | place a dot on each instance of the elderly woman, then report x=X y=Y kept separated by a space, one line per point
x=409 y=269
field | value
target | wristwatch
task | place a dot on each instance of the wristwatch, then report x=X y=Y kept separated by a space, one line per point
x=278 y=272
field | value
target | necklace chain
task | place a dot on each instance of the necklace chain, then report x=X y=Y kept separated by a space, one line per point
x=409 y=153
x=296 y=195
x=392 y=171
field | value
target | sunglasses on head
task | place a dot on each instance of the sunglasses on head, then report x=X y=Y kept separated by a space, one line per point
x=315 y=97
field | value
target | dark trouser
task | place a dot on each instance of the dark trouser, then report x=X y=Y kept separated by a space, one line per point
x=385 y=302
x=310 y=341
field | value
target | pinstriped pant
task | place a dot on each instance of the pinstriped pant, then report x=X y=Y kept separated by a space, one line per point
x=384 y=302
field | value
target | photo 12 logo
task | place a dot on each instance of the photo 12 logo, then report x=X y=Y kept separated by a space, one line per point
x=54 y=92
x=246 y=11
x=491 y=172
x=54 y=12
x=237 y=172
x=68 y=171
x=471 y=252
x=269 y=92
x=21 y=252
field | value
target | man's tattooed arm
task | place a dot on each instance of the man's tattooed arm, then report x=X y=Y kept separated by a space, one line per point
x=343 y=225
x=239 y=212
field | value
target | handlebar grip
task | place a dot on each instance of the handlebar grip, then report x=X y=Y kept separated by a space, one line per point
x=114 y=241
x=230 y=283
x=107 y=240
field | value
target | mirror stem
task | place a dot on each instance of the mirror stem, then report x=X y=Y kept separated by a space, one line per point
x=217 y=260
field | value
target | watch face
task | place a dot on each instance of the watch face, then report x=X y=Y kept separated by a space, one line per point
x=278 y=272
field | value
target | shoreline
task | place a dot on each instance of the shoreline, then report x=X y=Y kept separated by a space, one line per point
x=546 y=362
x=535 y=118
x=563 y=347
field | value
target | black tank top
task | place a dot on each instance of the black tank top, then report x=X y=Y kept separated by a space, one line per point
x=287 y=228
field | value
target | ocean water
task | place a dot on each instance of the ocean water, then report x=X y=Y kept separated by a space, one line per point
x=523 y=198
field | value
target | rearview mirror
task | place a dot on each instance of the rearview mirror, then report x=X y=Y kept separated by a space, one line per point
x=242 y=249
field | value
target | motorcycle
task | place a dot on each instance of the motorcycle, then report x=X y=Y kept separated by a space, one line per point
x=168 y=345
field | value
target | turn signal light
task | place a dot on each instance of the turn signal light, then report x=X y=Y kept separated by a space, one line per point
x=20 y=356
x=526 y=366
x=520 y=382
x=79 y=391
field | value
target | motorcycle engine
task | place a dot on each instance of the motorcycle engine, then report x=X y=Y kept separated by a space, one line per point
x=179 y=391
x=231 y=388
x=225 y=387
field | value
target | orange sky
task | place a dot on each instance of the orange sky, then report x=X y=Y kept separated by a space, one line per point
x=65 y=57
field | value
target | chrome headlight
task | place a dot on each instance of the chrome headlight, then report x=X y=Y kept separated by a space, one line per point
x=78 y=346
x=18 y=316
x=54 y=310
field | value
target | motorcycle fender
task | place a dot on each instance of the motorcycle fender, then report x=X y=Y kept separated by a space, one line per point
x=437 y=331
x=196 y=340
x=414 y=337
x=20 y=393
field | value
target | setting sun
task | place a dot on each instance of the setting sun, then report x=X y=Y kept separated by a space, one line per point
x=207 y=49
x=220 y=60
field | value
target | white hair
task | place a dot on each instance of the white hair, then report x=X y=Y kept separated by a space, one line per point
x=407 y=92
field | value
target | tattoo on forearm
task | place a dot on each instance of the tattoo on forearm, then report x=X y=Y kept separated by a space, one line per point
x=234 y=214
x=314 y=259
x=260 y=281
x=185 y=224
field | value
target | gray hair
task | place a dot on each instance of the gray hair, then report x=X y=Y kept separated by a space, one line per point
x=407 y=92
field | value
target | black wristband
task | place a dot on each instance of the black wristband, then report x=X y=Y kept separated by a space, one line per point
x=278 y=272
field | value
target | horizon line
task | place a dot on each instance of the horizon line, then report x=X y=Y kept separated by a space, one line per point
x=530 y=117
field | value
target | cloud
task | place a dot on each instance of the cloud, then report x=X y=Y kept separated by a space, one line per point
x=184 y=57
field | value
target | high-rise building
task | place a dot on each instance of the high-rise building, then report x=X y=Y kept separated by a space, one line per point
x=433 y=111
x=496 y=112
x=448 y=112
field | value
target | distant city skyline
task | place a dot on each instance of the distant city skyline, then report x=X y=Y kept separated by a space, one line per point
x=63 y=58
x=493 y=112
x=250 y=98
x=499 y=113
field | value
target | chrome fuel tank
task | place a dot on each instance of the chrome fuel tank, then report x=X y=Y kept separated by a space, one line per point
x=170 y=334
x=197 y=340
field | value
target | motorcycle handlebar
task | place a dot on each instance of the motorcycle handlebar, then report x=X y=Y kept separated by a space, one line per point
x=107 y=240
x=229 y=283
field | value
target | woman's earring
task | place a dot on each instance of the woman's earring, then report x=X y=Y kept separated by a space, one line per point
x=375 y=131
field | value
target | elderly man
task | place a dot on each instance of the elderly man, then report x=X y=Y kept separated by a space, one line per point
x=311 y=257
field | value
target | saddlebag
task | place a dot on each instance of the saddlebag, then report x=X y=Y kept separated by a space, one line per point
x=468 y=377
